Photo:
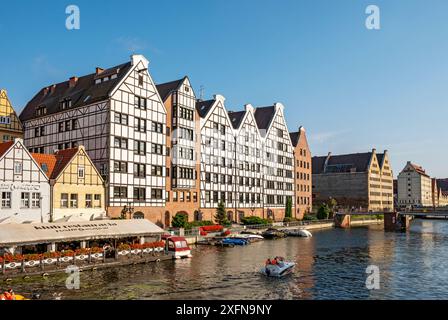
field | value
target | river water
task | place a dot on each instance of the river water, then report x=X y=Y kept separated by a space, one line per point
x=331 y=265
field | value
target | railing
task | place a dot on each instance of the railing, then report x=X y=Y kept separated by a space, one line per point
x=194 y=232
x=287 y=224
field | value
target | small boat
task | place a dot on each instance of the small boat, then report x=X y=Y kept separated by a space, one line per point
x=280 y=269
x=298 y=233
x=249 y=237
x=178 y=247
x=273 y=234
x=235 y=241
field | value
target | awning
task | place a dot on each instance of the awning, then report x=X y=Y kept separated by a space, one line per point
x=29 y=234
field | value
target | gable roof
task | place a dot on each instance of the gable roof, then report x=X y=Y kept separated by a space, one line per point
x=236 y=118
x=264 y=116
x=4 y=147
x=355 y=162
x=166 y=88
x=84 y=92
x=294 y=138
x=55 y=163
x=203 y=107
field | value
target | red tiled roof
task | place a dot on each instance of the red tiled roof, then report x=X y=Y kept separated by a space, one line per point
x=5 y=147
x=55 y=163
x=419 y=169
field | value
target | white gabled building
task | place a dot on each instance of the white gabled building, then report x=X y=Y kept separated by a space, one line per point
x=249 y=164
x=24 y=187
x=118 y=116
x=278 y=160
x=217 y=157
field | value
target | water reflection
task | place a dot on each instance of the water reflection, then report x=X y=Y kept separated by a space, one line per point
x=331 y=265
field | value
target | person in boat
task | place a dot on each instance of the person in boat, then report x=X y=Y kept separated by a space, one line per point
x=268 y=262
x=9 y=295
x=274 y=261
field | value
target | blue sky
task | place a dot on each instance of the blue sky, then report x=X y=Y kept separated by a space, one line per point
x=353 y=89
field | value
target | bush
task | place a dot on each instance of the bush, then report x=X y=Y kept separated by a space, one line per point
x=254 y=221
x=196 y=224
x=324 y=212
x=180 y=221
x=289 y=219
x=309 y=217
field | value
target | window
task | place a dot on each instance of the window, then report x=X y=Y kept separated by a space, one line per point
x=280 y=133
x=140 y=147
x=140 y=125
x=181 y=196
x=61 y=127
x=35 y=200
x=64 y=200
x=207 y=177
x=140 y=102
x=121 y=118
x=88 y=201
x=18 y=167
x=139 y=194
x=195 y=197
x=207 y=196
x=6 y=200
x=120 y=192
x=121 y=167
x=121 y=143
x=140 y=80
x=157 y=148
x=175 y=196
x=97 y=203
x=215 y=196
x=74 y=200
x=156 y=127
x=223 y=129
x=139 y=170
x=75 y=124
x=68 y=125
x=81 y=172
x=25 y=200
x=156 y=193
x=156 y=171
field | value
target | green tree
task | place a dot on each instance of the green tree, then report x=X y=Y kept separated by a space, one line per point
x=323 y=212
x=180 y=221
x=288 y=209
x=220 y=216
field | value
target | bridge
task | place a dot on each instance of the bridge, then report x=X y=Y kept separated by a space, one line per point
x=393 y=221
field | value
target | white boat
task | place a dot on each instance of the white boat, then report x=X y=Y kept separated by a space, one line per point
x=250 y=237
x=278 y=270
x=298 y=233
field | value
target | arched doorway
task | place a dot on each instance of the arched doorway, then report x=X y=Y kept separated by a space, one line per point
x=230 y=216
x=138 y=215
x=270 y=214
x=167 y=219
x=240 y=216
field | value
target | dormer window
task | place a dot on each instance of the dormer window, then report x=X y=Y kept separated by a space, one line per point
x=97 y=81
x=66 y=103
x=41 y=111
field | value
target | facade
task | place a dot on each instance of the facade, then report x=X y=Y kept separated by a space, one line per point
x=440 y=190
x=361 y=181
x=24 y=187
x=414 y=187
x=217 y=153
x=118 y=116
x=278 y=158
x=248 y=179
x=10 y=125
x=183 y=141
x=77 y=188
x=303 y=173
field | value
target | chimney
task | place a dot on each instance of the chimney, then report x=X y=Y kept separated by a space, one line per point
x=52 y=88
x=373 y=150
x=46 y=90
x=73 y=81
x=99 y=70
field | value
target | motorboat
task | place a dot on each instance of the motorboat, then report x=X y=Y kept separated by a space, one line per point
x=298 y=233
x=279 y=268
x=249 y=237
x=272 y=233
x=178 y=247
x=235 y=241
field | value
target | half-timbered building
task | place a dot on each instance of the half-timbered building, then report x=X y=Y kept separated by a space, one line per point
x=182 y=179
x=10 y=125
x=24 y=187
x=118 y=116
x=77 y=188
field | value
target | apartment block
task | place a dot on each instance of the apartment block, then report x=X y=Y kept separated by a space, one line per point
x=361 y=181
